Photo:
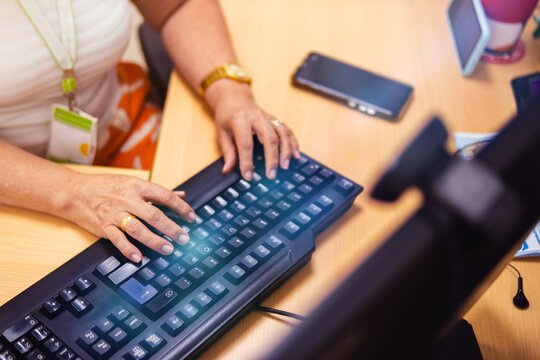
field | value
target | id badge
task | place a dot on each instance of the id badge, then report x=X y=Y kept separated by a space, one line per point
x=73 y=136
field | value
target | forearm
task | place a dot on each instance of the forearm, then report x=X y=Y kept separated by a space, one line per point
x=198 y=41
x=30 y=182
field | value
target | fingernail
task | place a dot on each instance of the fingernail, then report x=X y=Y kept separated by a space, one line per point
x=286 y=164
x=135 y=258
x=272 y=174
x=167 y=248
x=248 y=175
x=297 y=154
x=183 y=239
x=192 y=217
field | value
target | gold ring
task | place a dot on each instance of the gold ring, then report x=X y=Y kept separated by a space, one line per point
x=275 y=123
x=124 y=222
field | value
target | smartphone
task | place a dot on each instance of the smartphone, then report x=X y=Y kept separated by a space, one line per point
x=359 y=89
x=526 y=89
x=470 y=32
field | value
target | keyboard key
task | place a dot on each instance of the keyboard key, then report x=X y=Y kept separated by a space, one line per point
x=302 y=219
x=294 y=197
x=182 y=283
x=213 y=224
x=162 y=302
x=241 y=220
x=249 y=198
x=217 y=288
x=326 y=173
x=65 y=354
x=274 y=242
x=243 y=185
x=315 y=180
x=225 y=215
x=305 y=189
x=176 y=254
x=34 y=355
x=297 y=178
x=134 y=324
x=313 y=210
x=276 y=195
x=173 y=325
x=223 y=252
x=271 y=214
x=117 y=337
x=126 y=270
x=310 y=169
x=219 y=202
x=101 y=349
x=40 y=333
x=190 y=260
x=217 y=239
x=235 y=275
x=231 y=194
x=119 y=313
x=264 y=203
x=51 y=308
x=80 y=306
x=204 y=249
x=159 y=264
x=137 y=352
x=248 y=233
x=261 y=252
x=176 y=270
x=260 y=223
x=7 y=355
x=229 y=230
x=235 y=242
x=210 y=262
x=201 y=233
x=146 y=274
x=162 y=281
x=196 y=273
x=107 y=266
x=298 y=163
x=52 y=344
x=207 y=211
x=136 y=291
x=256 y=177
x=23 y=345
x=83 y=285
x=203 y=299
x=325 y=201
x=260 y=189
x=283 y=205
x=287 y=186
x=237 y=206
x=344 y=186
x=104 y=326
x=249 y=262
x=188 y=311
x=67 y=294
x=87 y=339
x=153 y=342
x=253 y=212
x=20 y=328
x=290 y=230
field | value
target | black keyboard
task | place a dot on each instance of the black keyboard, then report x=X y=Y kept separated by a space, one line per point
x=248 y=238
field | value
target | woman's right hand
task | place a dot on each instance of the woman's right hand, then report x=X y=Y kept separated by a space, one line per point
x=99 y=203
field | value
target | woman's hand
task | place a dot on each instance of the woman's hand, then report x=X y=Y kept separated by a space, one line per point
x=99 y=203
x=237 y=118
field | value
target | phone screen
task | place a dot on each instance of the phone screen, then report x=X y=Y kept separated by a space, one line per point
x=351 y=83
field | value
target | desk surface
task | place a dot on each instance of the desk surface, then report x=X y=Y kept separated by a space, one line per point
x=408 y=41
x=405 y=40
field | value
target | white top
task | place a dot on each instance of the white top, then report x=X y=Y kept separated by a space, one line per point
x=30 y=79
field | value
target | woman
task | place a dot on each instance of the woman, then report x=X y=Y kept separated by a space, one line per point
x=31 y=69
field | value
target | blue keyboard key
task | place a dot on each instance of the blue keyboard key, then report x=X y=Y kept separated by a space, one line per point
x=137 y=291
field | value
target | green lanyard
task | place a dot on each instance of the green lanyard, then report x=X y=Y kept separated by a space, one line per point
x=64 y=51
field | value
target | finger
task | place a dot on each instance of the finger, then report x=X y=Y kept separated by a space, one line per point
x=270 y=140
x=138 y=231
x=243 y=138
x=181 y=194
x=119 y=240
x=157 y=219
x=228 y=150
x=160 y=195
x=285 y=146
x=294 y=145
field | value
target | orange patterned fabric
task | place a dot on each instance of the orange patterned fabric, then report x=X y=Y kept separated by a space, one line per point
x=131 y=139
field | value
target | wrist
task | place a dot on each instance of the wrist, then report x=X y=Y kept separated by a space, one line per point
x=226 y=89
x=65 y=202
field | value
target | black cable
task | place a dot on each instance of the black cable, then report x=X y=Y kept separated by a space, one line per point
x=280 y=312
x=513 y=267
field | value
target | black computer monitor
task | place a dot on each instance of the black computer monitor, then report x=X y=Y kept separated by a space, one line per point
x=411 y=291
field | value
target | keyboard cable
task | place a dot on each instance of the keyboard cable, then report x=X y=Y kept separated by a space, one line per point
x=280 y=312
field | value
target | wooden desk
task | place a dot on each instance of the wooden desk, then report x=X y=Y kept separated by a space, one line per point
x=406 y=40
x=34 y=244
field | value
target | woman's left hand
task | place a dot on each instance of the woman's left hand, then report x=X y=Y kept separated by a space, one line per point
x=238 y=118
